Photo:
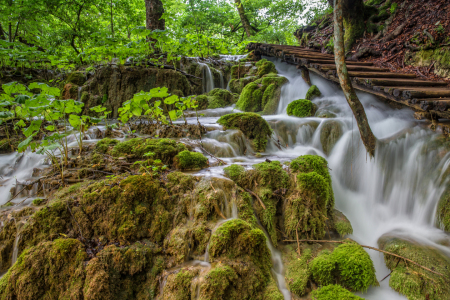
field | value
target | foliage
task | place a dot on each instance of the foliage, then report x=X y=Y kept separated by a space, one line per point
x=333 y=292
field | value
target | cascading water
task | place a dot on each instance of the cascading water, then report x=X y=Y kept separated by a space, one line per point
x=208 y=79
x=394 y=193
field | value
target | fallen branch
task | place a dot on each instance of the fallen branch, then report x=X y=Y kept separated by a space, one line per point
x=373 y=248
x=220 y=161
x=256 y=196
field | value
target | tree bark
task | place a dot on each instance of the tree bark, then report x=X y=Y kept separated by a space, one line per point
x=244 y=20
x=2 y=33
x=352 y=12
x=154 y=10
x=365 y=131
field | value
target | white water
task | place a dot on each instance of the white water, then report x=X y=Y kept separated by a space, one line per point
x=208 y=79
x=15 y=249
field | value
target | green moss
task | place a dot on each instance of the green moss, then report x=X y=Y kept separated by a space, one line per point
x=202 y=101
x=272 y=292
x=333 y=292
x=38 y=201
x=250 y=99
x=164 y=149
x=301 y=108
x=411 y=280
x=218 y=283
x=104 y=144
x=297 y=273
x=234 y=172
x=356 y=270
x=272 y=175
x=329 y=135
x=344 y=228
x=77 y=78
x=221 y=98
x=323 y=268
x=254 y=127
x=8 y=145
x=313 y=92
x=178 y=286
x=187 y=160
x=272 y=93
x=236 y=238
x=265 y=67
x=238 y=85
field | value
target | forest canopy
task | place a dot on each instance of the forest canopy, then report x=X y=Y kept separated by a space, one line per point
x=65 y=33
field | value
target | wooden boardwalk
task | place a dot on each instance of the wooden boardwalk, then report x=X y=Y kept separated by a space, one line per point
x=432 y=98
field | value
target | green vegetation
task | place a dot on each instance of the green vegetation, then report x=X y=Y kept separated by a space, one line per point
x=313 y=92
x=187 y=160
x=333 y=292
x=301 y=108
x=215 y=99
x=254 y=127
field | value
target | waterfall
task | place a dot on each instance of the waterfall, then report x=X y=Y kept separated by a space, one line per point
x=208 y=79
x=15 y=249
x=79 y=93
x=222 y=81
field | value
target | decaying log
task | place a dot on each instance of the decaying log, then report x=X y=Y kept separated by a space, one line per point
x=425 y=93
x=398 y=82
x=352 y=68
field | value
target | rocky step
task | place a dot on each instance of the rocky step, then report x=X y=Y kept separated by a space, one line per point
x=398 y=82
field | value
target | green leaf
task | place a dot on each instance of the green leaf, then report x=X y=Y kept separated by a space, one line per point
x=25 y=143
x=33 y=128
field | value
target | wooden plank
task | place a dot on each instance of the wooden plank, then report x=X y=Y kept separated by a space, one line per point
x=352 y=68
x=306 y=61
x=399 y=82
x=425 y=93
x=380 y=75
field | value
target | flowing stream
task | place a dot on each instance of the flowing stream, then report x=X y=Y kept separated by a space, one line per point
x=395 y=193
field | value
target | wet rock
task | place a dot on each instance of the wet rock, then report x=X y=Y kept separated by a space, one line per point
x=411 y=280
x=330 y=133
x=313 y=92
x=324 y=113
x=255 y=128
x=216 y=98
x=76 y=78
x=341 y=225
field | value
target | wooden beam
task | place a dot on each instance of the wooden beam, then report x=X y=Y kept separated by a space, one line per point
x=398 y=82
x=351 y=68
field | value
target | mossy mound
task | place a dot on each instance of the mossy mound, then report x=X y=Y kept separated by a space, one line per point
x=301 y=108
x=265 y=67
x=187 y=160
x=341 y=224
x=310 y=204
x=330 y=133
x=262 y=94
x=333 y=292
x=312 y=93
x=238 y=85
x=411 y=280
x=77 y=78
x=106 y=144
x=117 y=209
x=215 y=99
x=51 y=270
x=178 y=286
x=163 y=149
x=255 y=128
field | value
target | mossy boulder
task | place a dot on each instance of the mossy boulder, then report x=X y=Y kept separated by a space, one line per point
x=77 y=78
x=187 y=160
x=254 y=127
x=333 y=292
x=331 y=131
x=341 y=224
x=311 y=203
x=163 y=149
x=262 y=94
x=301 y=108
x=50 y=270
x=178 y=285
x=312 y=93
x=238 y=85
x=216 y=98
x=265 y=67
x=443 y=210
x=411 y=280
x=106 y=144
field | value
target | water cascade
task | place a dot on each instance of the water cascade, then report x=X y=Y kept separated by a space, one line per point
x=208 y=79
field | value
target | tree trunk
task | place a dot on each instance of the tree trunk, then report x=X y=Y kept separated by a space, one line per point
x=367 y=136
x=2 y=33
x=353 y=17
x=154 y=10
x=244 y=20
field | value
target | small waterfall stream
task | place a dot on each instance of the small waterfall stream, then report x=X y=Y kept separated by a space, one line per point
x=208 y=79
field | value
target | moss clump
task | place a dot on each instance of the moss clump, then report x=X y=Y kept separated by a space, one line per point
x=301 y=108
x=311 y=203
x=215 y=98
x=238 y=85
x=51 y=270
x=38 y=201
x=313 y=92
x=333 y=292
x=234 y=172
x=236 y=238
x=178 y=286
x=219 y=284
x=265 y=67
x=272 y=292
x=297 y=273
x=354 y=266
x=250 y=99
x=443 y=210
x=187 y=160
x=104 y=144
x=323 y=268
x=410 y=280
x=341 y=224
x=77 y=78
x=329 y=135
x=254 y=127
x=163 y=149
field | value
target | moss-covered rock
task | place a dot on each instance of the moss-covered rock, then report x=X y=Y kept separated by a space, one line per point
x=410 y=280
x=297 y=272
x=341 y=224
x=178 y=285
x=187 y=160
x=265 y=67
x=216 y=98
x=105 y=144
x=238 y=85
x=313 y=92
x=262 y=94
x=51 y=270
x=311 y=202
x=163 y=149
x=255 y=128
x=77 y=78
x=333 y=292
x=330 y=133
x=440 y=57
x=301 y=108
